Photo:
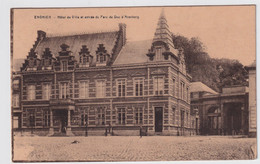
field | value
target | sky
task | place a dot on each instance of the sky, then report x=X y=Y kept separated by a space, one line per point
x=225 y=31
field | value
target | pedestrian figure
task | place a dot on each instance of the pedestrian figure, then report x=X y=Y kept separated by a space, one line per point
x=141 y=129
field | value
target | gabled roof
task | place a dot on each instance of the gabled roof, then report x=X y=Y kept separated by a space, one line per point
x=200 y=87
x=134 y=52
x=75 y=43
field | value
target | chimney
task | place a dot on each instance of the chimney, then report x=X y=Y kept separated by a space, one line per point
x=41 y=35
x=122 y=30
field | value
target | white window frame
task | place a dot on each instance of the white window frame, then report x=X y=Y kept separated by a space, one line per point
x=16 y=84
x=156 y=85
x=46 y=118
x=139 y=81
x=122 y=111
x=64 y=90
x=31 y=92
x=84 y=115
x=174 y=87
x=101 y=111
x=182 y=90
x=84 y=90
x=16 y=100
x=158 y=53
x=100 y=89
x=46 y=91
x=187 y=94
x=64 y=67
x=119 y=82
x=139 y=115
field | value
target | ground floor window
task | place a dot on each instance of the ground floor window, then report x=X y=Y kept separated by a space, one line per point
x=32 y=119
x=46 y=118
x=121 y=112
x=101 y=116
x=84 y=119
x=138 y=115
x=173 y=115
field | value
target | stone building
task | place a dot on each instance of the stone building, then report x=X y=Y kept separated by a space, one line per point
x=224 y=113
x=252 y=99
x=99 y=83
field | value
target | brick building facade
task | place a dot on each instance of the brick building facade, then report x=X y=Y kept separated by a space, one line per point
x=100 y=83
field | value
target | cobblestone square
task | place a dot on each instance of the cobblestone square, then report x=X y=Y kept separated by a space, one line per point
x=133 y=148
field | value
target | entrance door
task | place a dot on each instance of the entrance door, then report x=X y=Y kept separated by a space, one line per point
x=158 y=119
x=62 y=117
x=234 y=120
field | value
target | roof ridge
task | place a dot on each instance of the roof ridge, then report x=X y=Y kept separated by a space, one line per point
x=79 y=33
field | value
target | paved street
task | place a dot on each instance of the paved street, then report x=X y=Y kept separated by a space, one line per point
x=133 y=148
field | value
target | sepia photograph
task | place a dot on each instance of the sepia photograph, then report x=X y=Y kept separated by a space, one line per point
x=166 y=83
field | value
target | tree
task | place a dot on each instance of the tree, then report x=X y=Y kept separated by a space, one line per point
x=206 y=69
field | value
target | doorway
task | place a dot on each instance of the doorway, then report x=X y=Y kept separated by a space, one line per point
x=158 y=119
x=234 y=120
x=61 y=117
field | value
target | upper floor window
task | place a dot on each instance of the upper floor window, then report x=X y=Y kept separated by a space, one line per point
x=100 y=88
x=47 y=62
x=63 y=90
x=158 y=84
x=64 y=65
x=16 y=100
x=173 y=87
x=85 y=59
x=101 y=116
x=32 y=62
x=139 y=86
x=121 y=112
x=121 y=87
x=101 y=58
x=187 y=119
x=16 y=84
x=158 y=53
x=139 y=115
x=182 y=90
x=83 y=89
x=187 y=94
x=31 y=92
x=46 y=91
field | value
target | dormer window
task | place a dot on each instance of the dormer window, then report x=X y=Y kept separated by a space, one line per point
x=85 y=57
x=64 y=65
x=158 y=53
x=47 y=58
x=101 y=58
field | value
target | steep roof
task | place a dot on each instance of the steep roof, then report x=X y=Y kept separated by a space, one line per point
x=75 y=42
x=200 y=87
x=134 y=52
x=163 y=33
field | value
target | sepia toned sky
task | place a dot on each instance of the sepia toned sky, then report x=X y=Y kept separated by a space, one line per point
x=226 y=31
